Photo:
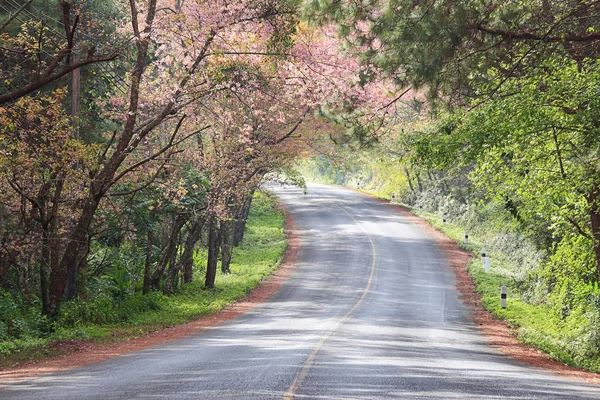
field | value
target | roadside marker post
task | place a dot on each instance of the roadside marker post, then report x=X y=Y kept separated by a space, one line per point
x=466 y=237
x=503 y=292
x=420 y=207
x=393 y=197
x=486 y=262
x=444 y=220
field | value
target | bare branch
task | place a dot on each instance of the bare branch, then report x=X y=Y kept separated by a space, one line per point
x=48 y=77
x=395 y=100
x=171 y=144
x=145 y=185
x=294 y=128
x=12 y=17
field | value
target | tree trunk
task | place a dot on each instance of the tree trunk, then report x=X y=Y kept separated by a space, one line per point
x=419 y=183
x=172 y=275
x=146 y=287
x=45 y=273
x=82 y=267
x=170 y=248
x=24 y=278
x=241 y=217
x=60 y=272
x=213 y=253
x=71 y=281
x=187 y=258
x=5 y=264
x=410 y=184
x=50 y=255
x=594 y=202
x=75 y=269
x=226 y=244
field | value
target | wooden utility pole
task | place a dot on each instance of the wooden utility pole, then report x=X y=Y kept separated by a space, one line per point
x=75 y=111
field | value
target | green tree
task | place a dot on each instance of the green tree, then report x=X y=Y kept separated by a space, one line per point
x=448 y=46
x=536 y=146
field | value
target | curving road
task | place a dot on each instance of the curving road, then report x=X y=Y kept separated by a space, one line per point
x=371 y=312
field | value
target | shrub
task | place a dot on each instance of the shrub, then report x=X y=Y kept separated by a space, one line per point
x=12 y=324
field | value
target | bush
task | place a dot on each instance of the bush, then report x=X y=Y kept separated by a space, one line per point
x=17 y=320
x=79 y=312
x=573 y=256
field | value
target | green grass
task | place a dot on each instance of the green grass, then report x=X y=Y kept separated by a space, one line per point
x=258 y=257
x=535 y=325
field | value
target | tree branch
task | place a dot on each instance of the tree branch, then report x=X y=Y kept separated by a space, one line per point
x=12 y=17
x=171 y=144
x=145 y=185
x=395 y=100
x=509 y=35
x=47 y=78
x=294 y=128
x=579 y=229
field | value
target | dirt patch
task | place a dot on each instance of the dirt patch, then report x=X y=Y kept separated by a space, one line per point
x=65 y=346
x=72 y=354
x=497 y=332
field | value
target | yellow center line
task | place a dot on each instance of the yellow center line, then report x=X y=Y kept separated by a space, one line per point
x=301 y=376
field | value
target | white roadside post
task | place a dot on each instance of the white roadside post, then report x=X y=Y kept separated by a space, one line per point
x=420 y=207
x=503 y=292
x=393 y=197
x=466 y=237
x=485 y=260
x=444 y=220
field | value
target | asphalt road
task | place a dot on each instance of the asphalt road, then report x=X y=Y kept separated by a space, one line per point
x=370 y=313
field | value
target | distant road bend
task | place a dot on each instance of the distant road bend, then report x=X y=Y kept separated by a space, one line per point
x=371 y=312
